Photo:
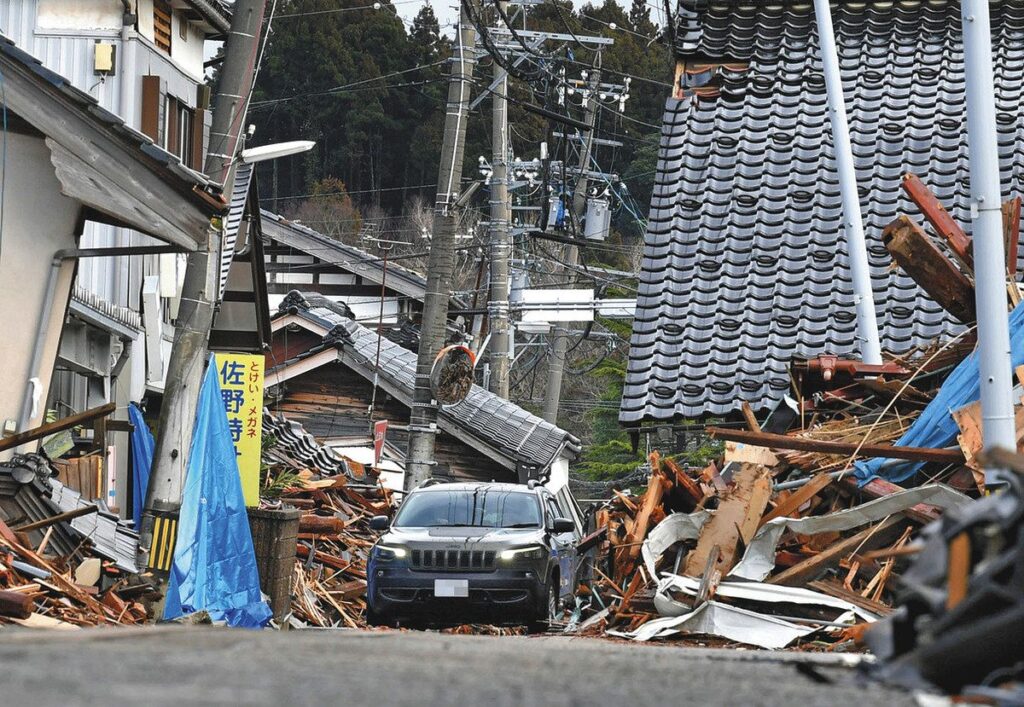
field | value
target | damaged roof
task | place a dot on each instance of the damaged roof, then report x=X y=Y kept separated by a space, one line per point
x=516 y=436
x=745 y=264
x=370 y=267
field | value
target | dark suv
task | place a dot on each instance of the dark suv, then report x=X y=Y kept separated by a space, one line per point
x=465 y=551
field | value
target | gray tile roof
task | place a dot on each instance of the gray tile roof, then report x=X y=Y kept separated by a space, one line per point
x=26 y=485
x=745 y=262
x=513 y=432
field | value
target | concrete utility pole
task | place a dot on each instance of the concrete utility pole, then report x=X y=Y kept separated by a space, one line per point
x=199 y=291
x=860 y=270
x=989 y=251
x=498 y=232
x=441 y=264
x=560 y=334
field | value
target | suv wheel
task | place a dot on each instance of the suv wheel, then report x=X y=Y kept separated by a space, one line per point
x=549 y=612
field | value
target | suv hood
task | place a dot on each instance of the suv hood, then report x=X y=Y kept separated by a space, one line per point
x=478 y=538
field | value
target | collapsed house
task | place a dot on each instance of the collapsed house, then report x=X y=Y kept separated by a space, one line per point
x=745 y=265
x=322 y=372
x=802 y=532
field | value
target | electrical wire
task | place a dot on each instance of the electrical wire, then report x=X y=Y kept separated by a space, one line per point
x=379 y=6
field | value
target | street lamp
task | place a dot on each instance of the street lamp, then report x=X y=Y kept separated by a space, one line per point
x=278 y=149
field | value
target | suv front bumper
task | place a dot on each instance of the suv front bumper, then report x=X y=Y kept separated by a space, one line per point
x=504 y=594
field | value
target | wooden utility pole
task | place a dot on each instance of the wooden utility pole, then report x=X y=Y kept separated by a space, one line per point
x=500 y=242
x=200 y=289
x=560 y=335
x=441 y=264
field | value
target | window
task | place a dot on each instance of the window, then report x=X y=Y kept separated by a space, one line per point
x=162 y=24
x=483 y=507
x=180 y=132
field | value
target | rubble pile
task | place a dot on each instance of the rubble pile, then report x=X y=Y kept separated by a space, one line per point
x=333 y=547
x=803 y=532
x=46 y=592
x=64 y=562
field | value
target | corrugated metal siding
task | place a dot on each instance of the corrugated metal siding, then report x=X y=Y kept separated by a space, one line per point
x=18 y=22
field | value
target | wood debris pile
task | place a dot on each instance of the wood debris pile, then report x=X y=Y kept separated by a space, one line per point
x=334 y=541
x=39 y=590
x=796 y=523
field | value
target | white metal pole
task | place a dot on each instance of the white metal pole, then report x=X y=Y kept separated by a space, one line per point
x=998 y=428
x=860 y=272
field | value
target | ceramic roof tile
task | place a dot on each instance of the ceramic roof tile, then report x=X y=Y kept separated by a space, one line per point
x=745 y=263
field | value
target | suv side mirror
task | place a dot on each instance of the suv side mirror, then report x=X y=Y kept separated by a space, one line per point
x=562 y=525
x=379 y=523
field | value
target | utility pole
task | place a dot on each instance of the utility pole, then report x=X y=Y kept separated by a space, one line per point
x=860 y=270
x=989 y=251
x=500 y=242
x=560 y=334
x=199 y=292
x=441 y=264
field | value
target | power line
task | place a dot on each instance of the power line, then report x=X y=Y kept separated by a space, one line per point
x=345 y=87
x=373 y=6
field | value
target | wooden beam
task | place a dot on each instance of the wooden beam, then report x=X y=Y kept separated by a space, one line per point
x=923 y=513
x=798 y=498
x=748 y=415
x=49 y=428
x=959 y=564
x=933 y=210
x=1011 y=238
x=919 y=257
x=869 y=537
x=59 y=518
x=733 y=523
x=775 y=441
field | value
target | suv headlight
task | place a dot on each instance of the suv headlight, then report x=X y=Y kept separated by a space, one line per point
x=534 y=552
x=391 y=552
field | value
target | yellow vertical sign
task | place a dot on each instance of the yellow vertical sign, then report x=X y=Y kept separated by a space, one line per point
x=241 y=389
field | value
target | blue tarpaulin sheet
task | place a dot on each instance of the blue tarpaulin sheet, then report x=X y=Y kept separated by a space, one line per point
x=142 y=460
x=936 y=428
x=214 y=561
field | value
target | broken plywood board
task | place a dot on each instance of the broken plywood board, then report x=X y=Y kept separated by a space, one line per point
x=734 y=522
x=750 y=454
x=968 y=419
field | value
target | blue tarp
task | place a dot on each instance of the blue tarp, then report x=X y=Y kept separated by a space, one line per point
x=142 y=461
x=214 y=561
x=936 y=428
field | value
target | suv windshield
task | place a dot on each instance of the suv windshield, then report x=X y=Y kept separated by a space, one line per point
x=484 y=508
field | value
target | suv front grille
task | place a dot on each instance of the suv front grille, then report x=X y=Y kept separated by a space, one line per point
x=453 y=560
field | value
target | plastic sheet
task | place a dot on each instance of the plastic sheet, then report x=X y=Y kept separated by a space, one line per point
x=936 y=428
x=142 y=461
x=214 y=560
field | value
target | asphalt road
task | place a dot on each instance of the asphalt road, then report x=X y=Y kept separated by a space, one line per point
x=209 y=666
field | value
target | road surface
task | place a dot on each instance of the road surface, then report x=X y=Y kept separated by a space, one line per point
x=211 y=666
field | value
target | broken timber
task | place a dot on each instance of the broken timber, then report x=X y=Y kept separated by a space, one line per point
x=777 y=441
x=734 y=522
x=918 y=256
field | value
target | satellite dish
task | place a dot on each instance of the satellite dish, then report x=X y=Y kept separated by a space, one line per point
x=451 y=376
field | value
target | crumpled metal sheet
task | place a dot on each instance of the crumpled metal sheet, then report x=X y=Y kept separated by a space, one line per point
x=676 y=527
x=750 y=592
x=759 y=559
x=727 y=621
x=751 y=627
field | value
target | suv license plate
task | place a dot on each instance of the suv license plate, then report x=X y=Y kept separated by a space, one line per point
x=451 y=587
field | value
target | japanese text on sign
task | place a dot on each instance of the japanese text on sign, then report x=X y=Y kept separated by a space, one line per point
x=241 y=389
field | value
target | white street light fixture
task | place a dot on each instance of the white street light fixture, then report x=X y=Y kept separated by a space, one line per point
x=278 y=149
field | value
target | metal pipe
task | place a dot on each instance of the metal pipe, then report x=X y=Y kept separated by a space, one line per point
x=998 y=429
x=860 y=270
x=44 y=317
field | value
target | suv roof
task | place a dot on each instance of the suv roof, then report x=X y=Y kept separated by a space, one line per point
x=475 y=485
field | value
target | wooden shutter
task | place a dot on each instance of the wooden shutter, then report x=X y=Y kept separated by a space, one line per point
x=198 y=123
x=151 y=108
x=162 y=24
